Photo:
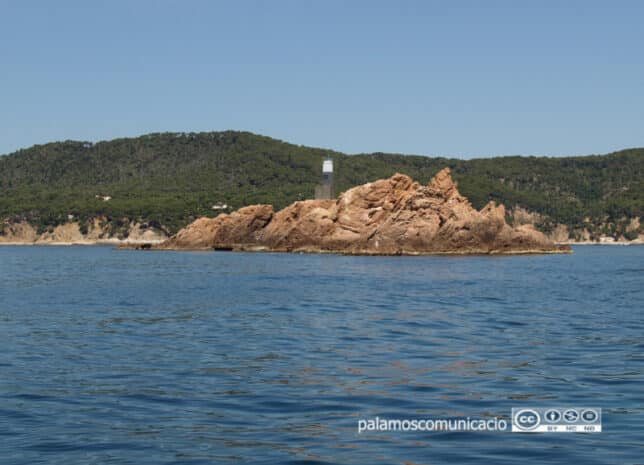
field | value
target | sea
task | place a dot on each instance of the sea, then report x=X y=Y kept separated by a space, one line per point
x=137 y=357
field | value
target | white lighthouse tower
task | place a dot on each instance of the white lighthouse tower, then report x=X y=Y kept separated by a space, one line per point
x=326 y=191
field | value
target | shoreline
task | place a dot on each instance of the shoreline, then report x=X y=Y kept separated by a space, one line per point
x=149 y=245
x=114 y=242
x=133 y=243
x=601 y=243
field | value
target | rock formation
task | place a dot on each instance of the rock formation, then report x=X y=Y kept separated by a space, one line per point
x=97 y=232
x=386 y=217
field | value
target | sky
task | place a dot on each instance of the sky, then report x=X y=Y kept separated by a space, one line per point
x=440 y=78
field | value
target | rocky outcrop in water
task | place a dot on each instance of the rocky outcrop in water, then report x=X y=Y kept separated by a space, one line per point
x=386 y=217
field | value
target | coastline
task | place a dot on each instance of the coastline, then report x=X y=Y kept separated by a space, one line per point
x=114 y=242
x=561 y=249
x=134 y=243
x=622 y=243
x=147 y=245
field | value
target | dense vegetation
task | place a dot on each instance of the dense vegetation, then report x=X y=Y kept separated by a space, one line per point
x=171 y=178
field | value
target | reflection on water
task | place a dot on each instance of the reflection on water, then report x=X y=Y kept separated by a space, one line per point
x=146 y=358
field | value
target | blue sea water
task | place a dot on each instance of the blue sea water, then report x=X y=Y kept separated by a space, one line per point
x=126 y=357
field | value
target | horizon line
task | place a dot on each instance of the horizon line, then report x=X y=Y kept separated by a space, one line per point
x=183 y=133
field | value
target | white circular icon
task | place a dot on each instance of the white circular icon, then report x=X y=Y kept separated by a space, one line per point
x=589 y=415
x=571 y=415
x=527 y=419
x=552 y=415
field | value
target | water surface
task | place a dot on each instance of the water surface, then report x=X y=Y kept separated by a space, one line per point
x=125 y=357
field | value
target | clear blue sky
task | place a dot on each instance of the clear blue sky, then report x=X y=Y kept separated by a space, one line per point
x=435 y=78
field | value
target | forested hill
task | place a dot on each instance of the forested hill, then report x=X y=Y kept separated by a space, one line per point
x=171 y=178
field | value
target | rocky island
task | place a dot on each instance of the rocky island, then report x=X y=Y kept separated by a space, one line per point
x=394 y=216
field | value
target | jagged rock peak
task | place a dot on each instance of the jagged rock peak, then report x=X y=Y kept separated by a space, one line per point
x=443 y=184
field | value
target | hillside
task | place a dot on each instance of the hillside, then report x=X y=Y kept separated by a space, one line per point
x=170 y=179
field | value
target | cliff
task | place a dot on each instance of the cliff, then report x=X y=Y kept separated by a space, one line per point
x=386 y=217
x=70 y=233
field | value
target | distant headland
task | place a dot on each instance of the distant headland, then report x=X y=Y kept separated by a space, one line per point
x=145 y=189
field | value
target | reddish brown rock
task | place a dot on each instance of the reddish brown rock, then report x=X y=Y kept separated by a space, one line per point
x=388 y=216
x=226 y=231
